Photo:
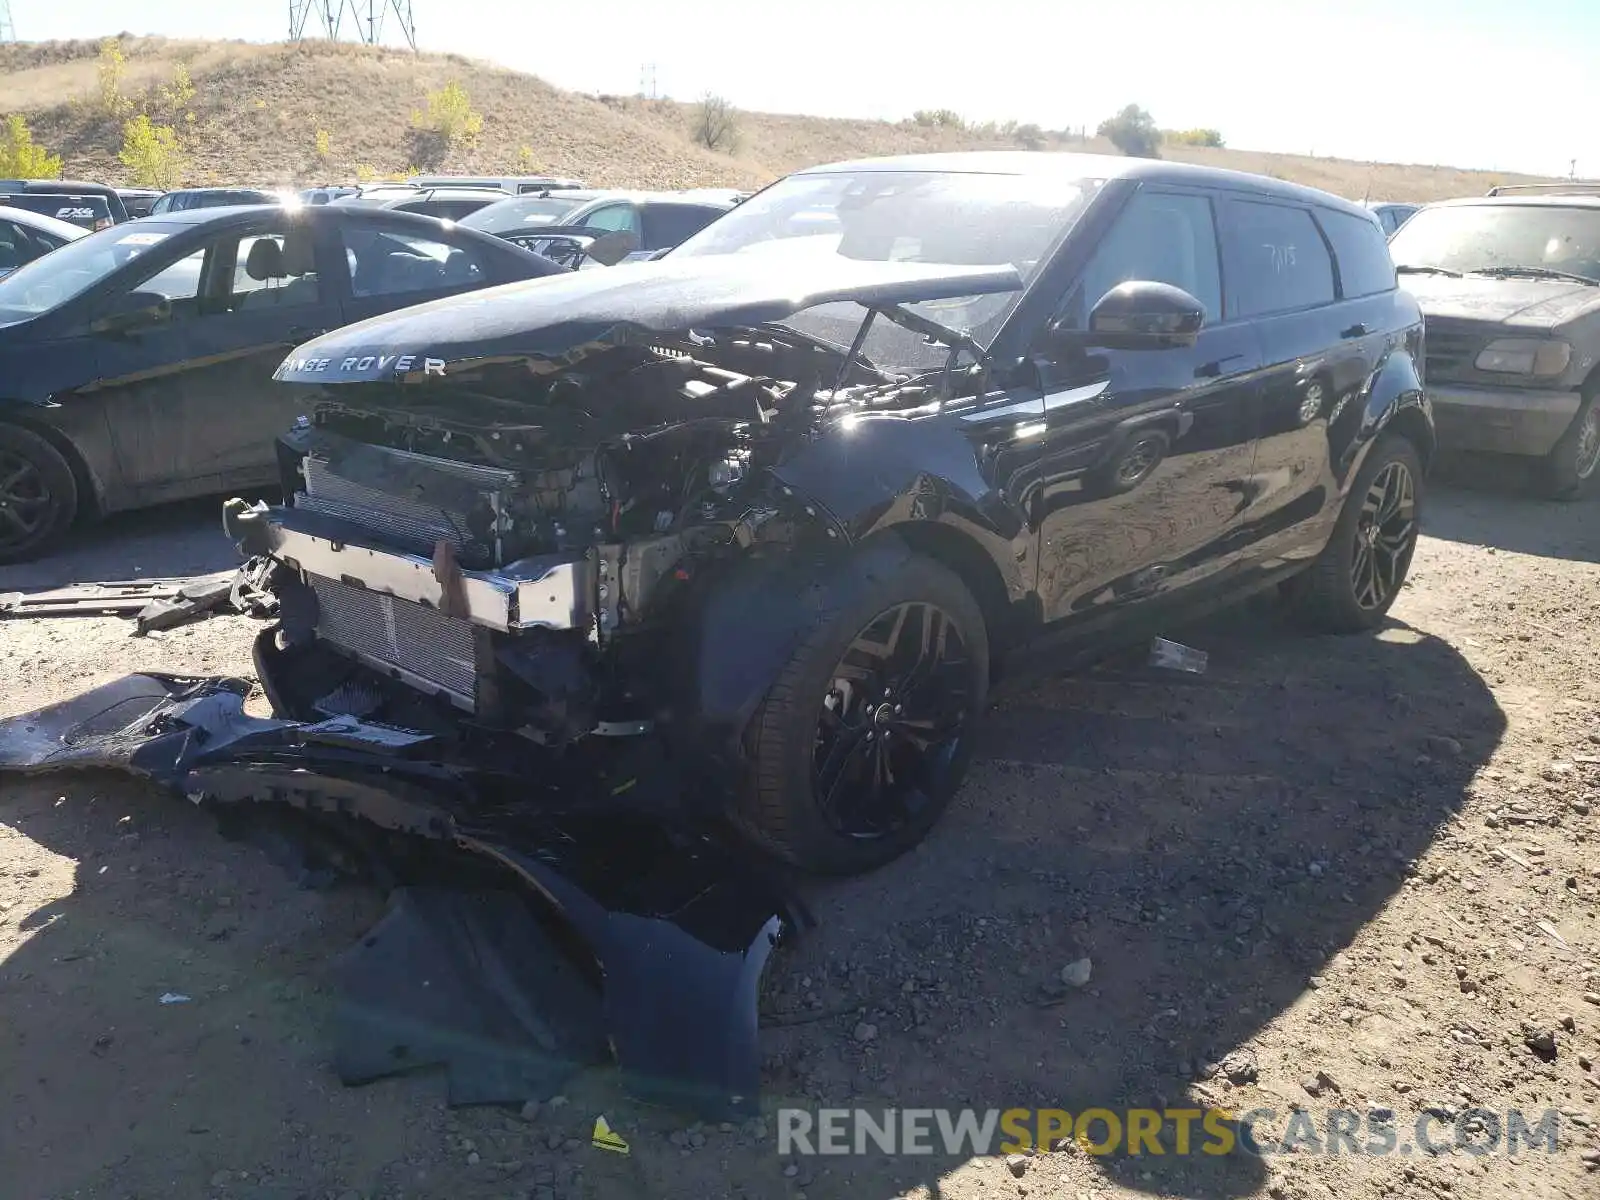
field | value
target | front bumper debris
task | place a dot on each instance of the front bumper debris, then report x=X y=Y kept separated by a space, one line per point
x=1526 y=421
x=677 y=929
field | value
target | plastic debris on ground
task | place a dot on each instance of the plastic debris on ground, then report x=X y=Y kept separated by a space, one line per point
x=1175 y=656
x=606 y=1138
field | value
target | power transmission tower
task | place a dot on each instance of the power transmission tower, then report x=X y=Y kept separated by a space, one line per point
x=647 y=80
x=8 y=31
x=367 y=17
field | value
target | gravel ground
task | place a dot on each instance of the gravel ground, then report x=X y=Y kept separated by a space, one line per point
x=1352 y=873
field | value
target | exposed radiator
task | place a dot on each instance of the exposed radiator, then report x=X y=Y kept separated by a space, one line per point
x=431 y=651
x=414 y=499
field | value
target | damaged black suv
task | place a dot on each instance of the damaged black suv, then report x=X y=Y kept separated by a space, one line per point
x=751 y=530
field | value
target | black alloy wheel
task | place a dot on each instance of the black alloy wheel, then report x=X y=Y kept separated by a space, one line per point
x=38 y=494
x=1386 y=533
x=1140 y=459
x=891 y=724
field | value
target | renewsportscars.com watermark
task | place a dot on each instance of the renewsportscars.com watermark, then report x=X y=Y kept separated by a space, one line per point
x=1179 y=1131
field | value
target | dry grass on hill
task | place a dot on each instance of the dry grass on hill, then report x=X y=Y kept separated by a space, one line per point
x=257 y=110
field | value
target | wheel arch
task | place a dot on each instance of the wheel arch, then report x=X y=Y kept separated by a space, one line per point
x=90 y=496
x=975 y=567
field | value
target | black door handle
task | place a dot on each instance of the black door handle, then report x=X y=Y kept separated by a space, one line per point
x=1213 y=368
x=1355 y=331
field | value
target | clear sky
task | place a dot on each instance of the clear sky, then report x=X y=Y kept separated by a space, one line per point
x=1483 y=83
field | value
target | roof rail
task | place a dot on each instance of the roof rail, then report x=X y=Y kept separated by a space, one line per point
x=1558 y=189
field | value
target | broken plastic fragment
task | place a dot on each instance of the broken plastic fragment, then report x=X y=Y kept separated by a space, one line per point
x=606 y=1138
x=1177 y=657
x=174 y=998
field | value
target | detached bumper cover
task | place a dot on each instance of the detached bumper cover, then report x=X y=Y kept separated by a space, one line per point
x=680 y=931
x=1527 y=421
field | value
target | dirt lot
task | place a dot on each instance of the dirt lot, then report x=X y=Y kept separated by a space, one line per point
x=1370 y=858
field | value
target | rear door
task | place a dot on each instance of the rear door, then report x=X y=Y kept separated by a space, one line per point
x=1144 y=453
x=190 y=403
x=1319 y=341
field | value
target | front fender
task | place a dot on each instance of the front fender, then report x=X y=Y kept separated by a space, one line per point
x=874 y=472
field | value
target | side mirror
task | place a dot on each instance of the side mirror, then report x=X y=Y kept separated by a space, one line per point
x=1142 y=314
x=133 y=312
x=611 y=248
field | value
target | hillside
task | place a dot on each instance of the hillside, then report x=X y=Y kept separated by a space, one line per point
x=257 y=110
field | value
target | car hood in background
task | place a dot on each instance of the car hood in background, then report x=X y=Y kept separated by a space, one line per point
x=1538 y=304
x=566 y=317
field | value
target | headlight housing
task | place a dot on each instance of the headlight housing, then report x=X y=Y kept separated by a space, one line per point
x=1542 y=357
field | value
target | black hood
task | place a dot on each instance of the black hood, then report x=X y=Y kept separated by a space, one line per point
x=1537 y=305
x=563 y=318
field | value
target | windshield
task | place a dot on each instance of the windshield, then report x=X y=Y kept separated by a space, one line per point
x=951 y=218
x=505 y=215
x=1480 y=237
x=51 y=281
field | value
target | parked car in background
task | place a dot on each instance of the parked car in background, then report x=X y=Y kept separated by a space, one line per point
x=448 y=204
x=1013 y=408
x=26 y=235
x=184 y=199
x=516 y=214
x=87 y=211
x=115 y=208
x=326 y=194
x=139 y=201
x=136 y=363
x=1392 y=214
x=513 y=185
x=650 y=221
x=1510 y=284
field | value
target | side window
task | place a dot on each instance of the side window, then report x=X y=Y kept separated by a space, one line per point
x=1277 y=260
x=1361 y=251
x=668 y=224
x=179 y=282
x=272 y=270
x=385 y=263
x=613 y=217
x=1166 y=237
x=15 y=246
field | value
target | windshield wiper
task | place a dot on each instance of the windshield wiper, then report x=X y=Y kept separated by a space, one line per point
x=1536 y=273
x=1426 y=269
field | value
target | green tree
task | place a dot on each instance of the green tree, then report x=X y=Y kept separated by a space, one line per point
x=1133 y=131
x=1195 y=137
x=1029 y=136
x=451 y=116
x=20 y=158
x=152 y=153
x=112 y=67
x=178 y=94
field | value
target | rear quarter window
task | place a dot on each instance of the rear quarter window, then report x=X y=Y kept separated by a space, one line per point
x=1276 y=259
x=1361 y=252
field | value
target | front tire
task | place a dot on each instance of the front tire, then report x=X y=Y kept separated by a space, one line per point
x=1568 y=472
x=38 y=494
x=1355 y=580
x=862 y=742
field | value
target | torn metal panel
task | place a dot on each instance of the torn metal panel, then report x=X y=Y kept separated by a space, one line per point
x=95 y=599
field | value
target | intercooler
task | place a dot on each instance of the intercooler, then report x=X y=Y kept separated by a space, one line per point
x=419 y=645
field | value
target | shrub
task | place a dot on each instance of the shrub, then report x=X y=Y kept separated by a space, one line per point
x=178 y=94
x=1194 y=137
x=366 y=173
x=324 y=144
x=939 y=118
x=451 y=116
x=716 y=123
x=525 y=160
x=20 y=158
x=1029 y=136
x=151 y=153
x=1133 y=131
x=112 y=67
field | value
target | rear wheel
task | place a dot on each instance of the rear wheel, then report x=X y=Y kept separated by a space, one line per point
x=38 y=495
x=1357 y=577
x=1570 y=469
x=866 y=736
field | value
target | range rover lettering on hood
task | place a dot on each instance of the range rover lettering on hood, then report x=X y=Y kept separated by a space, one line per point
x=366 y=365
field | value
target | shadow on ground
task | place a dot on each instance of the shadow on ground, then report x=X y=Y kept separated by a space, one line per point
x=172 y=540
x=1493 y=500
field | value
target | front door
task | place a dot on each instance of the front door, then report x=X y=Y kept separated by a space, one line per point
x=1145 y=453
x=191 y=401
